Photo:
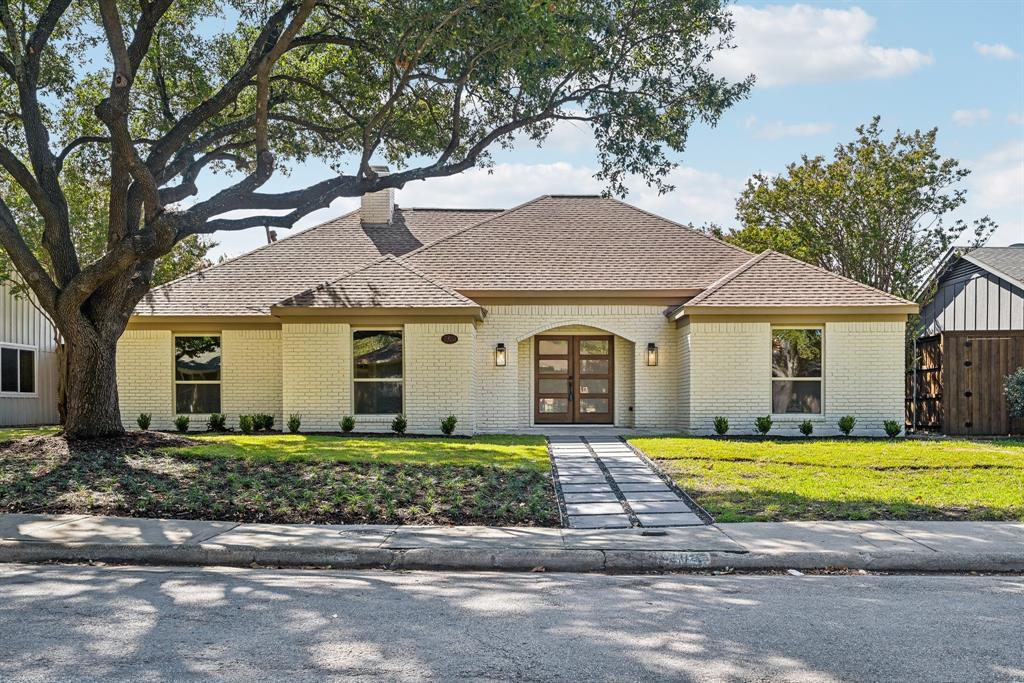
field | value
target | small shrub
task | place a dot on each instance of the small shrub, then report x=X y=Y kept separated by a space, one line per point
x=763 y=425
x=806 y=427
x=846 y=424
x=721 y=425
x=181 y=422
x=892 y=428
x=348 y=423
x=262 y=422
x=217 y=422
x=399 y=424
x=143 y=421
x=294 y=422
x=1013 y=387
x=245 y=423
x=448 y=425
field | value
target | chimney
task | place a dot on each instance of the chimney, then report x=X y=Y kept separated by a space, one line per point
x=378 y=207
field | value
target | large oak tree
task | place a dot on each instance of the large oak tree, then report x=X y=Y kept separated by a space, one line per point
x=153 y=95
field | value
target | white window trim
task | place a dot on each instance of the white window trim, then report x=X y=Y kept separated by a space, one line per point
x=35 y=371
x=370 y=417
x=174 y=373
x=782 y=417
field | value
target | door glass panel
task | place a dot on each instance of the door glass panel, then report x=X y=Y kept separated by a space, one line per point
x=553 y=347
x=594 y=366
x=553 y=405
x=593 y=386
x=594 y=347
x=593 y=405
x=553 y=386
x=552 y=365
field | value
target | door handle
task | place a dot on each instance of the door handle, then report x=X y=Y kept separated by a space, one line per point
x=570 y=390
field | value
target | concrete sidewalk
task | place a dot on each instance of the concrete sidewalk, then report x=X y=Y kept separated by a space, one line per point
x=882 y=546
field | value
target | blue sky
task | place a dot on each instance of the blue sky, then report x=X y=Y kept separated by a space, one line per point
x=823 y=68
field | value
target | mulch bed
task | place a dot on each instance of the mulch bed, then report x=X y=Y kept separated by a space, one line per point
x=129 y=476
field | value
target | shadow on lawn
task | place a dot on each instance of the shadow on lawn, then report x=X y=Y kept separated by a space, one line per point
x=129 y=477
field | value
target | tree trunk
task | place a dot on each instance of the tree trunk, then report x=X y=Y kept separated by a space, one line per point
x=92 y=406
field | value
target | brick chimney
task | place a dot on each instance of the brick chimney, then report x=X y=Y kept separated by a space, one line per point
x=378 y=207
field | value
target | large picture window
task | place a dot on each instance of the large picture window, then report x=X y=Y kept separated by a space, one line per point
x=196 y=375
x=17 y=370
x=796 y=371
x=377 y=371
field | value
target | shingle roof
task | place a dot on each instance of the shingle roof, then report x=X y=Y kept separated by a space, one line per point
x=773 y=279
x=1004 y=260
x=577 y=243
x=250 y=284
x=384 y=283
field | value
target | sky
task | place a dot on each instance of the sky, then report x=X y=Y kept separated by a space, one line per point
x=822 y=68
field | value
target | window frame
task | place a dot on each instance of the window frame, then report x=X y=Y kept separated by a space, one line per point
x=820 y=378
x=352 y=369
x=174 y=372
x=35 y=371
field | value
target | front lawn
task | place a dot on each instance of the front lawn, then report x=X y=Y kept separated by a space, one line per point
x=746 y=481
x=285 y=478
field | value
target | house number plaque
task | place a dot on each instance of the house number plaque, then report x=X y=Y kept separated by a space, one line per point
x=449 y=338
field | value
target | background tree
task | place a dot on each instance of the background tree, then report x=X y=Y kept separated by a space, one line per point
x=159 y=92
x=877 y=212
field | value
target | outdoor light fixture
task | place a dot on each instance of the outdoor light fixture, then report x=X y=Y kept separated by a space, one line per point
x=652 y=354
x=499 y=355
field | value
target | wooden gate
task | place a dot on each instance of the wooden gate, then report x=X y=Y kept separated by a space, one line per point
x=924 y=402
x=974 y=365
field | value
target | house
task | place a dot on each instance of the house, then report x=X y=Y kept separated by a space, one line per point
x=565 y=310
x=28 y=361
x=971 y=337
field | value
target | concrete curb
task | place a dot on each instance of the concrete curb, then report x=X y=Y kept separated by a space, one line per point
x=507 y=559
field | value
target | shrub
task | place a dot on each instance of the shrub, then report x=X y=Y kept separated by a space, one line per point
x=399 y=424
x=262 y=421
x=348 y=423
x=763 y=425
x=806 y=427
x=892 y=428
x=143 y=421
x=245 y=423
x=448 y=425
x=181 y=422
x=217 y=422
x=294 y=422
x=721 y=425
x=846 y=424
x=1013 y=387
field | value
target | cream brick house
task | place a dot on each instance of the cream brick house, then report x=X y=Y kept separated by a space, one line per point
x=575 y=310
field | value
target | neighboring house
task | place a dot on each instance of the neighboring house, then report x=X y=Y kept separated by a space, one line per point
x=28 y=362
x=972 y=336
x=564 y=310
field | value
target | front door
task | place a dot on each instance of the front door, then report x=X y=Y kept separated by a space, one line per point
x=573 y=379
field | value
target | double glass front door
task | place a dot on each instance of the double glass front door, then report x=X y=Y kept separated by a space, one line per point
x=573 y=379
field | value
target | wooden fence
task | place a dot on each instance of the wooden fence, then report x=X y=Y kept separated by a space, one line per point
x=959 y=382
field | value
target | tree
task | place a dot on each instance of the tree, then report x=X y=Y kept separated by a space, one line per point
x=878 y=212
x=156 y=93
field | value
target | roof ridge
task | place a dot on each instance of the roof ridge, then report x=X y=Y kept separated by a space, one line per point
x=826 y=271
x=728 y=277
x=308 y=290
x=688 y=228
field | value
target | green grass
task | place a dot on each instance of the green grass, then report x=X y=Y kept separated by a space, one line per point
x=8 y=433
x=743 y=481
x=285 y=478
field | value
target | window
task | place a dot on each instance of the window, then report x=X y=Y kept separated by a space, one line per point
x=796 y=371
x=197 y=375
x=377 y=371
x=17 y=370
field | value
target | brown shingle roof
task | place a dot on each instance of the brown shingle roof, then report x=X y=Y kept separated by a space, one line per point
x=385 y=283
x=250 y=284
x=576 y=243
x=771 y=279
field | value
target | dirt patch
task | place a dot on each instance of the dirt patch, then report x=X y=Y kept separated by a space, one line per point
x=59 y=446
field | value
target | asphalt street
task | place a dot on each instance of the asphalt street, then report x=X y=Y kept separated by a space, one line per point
x=130 y=623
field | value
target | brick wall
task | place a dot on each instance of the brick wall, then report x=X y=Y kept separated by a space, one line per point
x=251 y=375
x=316 y=363
x=145 y=377
x=439 y=376
x=864 y=374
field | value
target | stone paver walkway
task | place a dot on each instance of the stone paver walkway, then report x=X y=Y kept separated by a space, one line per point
x=605 y=485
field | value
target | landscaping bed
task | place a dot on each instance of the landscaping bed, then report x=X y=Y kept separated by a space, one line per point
x=835 y=479
x=283 y=478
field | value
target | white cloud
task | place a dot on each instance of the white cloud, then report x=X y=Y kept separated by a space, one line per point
x=997 y=180
x=1015 y=118
x=779 y=130
x=801 y=44
x=995 y=50
x=969 y=117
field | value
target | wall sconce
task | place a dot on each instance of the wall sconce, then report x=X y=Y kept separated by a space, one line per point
x=499 y=355
x=652 y=354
